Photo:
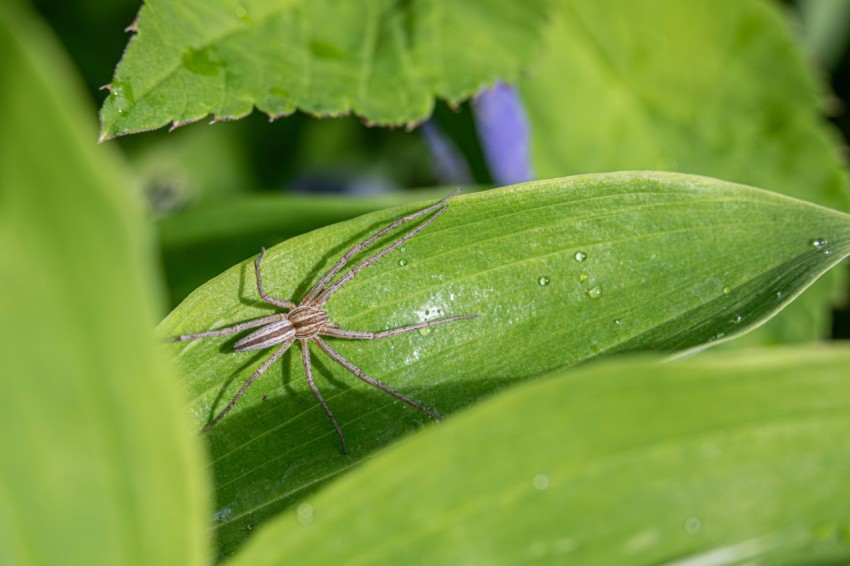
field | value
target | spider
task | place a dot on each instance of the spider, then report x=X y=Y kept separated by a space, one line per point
x=309 y=322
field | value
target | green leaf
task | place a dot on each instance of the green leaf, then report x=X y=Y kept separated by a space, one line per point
x=383 y=60
x=726 y=459
x=667 y=262
x=200 y=243
x=99 y=466
x=704 y=87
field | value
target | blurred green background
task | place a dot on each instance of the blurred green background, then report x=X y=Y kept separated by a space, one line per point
x=213 y=169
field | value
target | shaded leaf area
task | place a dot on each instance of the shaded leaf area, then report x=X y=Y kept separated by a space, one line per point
x=731 y=458
x=99 y=466
x=559 y=271
x=382 y=60
x=198 y=244
x=705 y=87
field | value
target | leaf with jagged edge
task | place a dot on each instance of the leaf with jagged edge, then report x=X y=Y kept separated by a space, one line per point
x=382 y=60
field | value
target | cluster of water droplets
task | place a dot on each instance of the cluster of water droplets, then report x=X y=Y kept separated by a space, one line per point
x=592 y=289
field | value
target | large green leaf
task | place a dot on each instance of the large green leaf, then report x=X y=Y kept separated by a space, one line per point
x=98 y=464
x=199 y=243
x=708 y=87
x=722 y=460
x=381 y=59
x=559 y=271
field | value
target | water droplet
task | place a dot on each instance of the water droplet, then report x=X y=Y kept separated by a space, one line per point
x=692 y=525
x=223 y=515
x=618 y=322
x=727 y=289
x=779 y=294
x=402 y=262
x=306 y=514
x=122 y=94
x=241 y=12
x=818 y=243
x=543 y=281
x=580 y=256
x=402 y=249
x=594 y=292
x=425 y=331
x=718 y=336
x=583 y=277
x=737 y=319
x=540 y=482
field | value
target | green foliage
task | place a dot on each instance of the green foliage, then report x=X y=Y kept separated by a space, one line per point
x=619 y=463
x=98 y=464
x=381 y=59
x=729 y=456
x=198 y=244
x=633 y=261
x=705 y=87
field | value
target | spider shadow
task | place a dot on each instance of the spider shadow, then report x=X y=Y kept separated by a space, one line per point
x=329 y=259
x=320 y=370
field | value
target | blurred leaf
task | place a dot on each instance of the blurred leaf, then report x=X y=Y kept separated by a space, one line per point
x=705 y=87
x=665 y=262
x=726 y=459
x=383 y=60
x=200 y=243
x=825 y=27
x=99 y=466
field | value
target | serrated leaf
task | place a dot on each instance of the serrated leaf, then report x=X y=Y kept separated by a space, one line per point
x=721 y=460
x=704 y=87
x=98 y=465
x=559 y=271
x=382 y=60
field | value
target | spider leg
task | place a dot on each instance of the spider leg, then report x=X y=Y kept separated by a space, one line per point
x=262 y=369
x=284 y=304
x=359 y=335
x=309 y=297
x=326 y=293
x=308 y=371
x=337 y=357
x=230 y=329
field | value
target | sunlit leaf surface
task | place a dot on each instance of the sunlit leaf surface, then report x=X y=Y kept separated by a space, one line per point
x=559 y=271
x=725 y=459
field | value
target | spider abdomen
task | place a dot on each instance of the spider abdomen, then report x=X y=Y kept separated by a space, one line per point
x=266 y=336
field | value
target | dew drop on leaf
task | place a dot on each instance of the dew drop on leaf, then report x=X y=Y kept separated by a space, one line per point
x=818 y=243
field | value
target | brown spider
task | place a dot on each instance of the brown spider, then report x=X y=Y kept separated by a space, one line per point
x=307 y=321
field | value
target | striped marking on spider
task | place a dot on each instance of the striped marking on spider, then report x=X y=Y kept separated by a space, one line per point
x=308 y=321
